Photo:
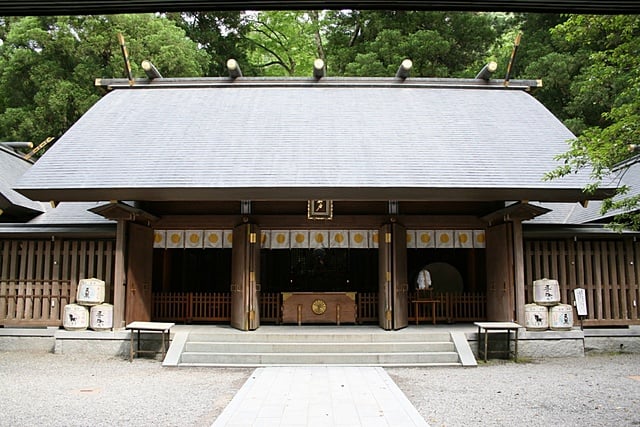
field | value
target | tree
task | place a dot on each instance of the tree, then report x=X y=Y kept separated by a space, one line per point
x=440 y=44
x=283 y=42
x=48 y=65
x=605 y=102
x=221 y=34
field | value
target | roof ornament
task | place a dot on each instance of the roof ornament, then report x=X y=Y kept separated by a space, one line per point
x=319 y=70
x=39 y=147
x=487 y=71
x=17 y=145
x=405 y=69
x=125 y=55
x=512 y=60
x=151 y=70
x=234 y=69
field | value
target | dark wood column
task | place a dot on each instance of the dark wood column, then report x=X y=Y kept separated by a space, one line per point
x=139 y=271
x=500 y=274
x=393 y=287
x=505 y=261
x=133 y=261
x=245 y=271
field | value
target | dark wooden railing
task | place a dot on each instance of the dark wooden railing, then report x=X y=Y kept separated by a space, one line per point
x=207 y=307
x=34 y=302
x=367 y=303
x=452 y=307
x=216 y=307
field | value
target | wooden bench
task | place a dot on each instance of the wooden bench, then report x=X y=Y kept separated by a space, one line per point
x=484 y=329
x=151 y=327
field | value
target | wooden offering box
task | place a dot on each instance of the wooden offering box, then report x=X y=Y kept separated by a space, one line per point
x=318 y=307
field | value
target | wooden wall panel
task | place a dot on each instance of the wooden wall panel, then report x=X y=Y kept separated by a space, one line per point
x=39 y=277
x=606 y=269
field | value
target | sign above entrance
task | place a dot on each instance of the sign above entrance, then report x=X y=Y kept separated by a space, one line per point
x=320 y=209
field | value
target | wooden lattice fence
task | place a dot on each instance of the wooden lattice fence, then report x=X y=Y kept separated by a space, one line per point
x=39 y=277
x=216 y=307
x=608 y=270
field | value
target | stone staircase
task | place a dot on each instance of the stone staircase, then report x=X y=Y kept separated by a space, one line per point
x=344 y=346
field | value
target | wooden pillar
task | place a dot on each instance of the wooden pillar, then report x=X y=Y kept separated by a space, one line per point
x=119 y=277
x=518 y=266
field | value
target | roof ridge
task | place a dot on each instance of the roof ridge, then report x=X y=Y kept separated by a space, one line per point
x=351 y=82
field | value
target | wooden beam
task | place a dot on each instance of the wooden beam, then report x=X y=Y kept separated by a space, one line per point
x=121 y=211
x=355 y=222
x=487 y=71
x=518 y=267
x=319 y=70
x=416 y=82
x=89 y=7
x=405 y=69
x=234 y=69
x=151 y=70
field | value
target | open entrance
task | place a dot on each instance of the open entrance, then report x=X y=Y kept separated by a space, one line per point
x=334 y=271
x=193 y=285
x=319 y=270
x=458 y=282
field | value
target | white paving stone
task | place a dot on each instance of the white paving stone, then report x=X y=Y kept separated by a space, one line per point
x=320 y=396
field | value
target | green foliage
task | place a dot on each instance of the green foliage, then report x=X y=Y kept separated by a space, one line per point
x=221 y=35
x=281 y=43
x=373 y=43
x=603 y=104
x=589 y=64
x=48 y=66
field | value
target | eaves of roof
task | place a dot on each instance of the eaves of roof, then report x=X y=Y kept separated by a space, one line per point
x=573 y=231
x=103 y=231
x=13 y=204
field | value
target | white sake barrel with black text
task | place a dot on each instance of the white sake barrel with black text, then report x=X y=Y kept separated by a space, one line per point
x=76 y=317
x=536 y=317
x=101 y=317
x=90 y=292
x=546 y=292
x=561 y=317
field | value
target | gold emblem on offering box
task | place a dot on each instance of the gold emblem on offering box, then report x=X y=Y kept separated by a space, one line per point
x=318 y=306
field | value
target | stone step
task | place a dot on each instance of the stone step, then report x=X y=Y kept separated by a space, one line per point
x=317 y=347
x=360 y=359
x=333 y=337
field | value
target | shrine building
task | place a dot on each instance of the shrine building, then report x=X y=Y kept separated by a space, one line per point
x=313 y=200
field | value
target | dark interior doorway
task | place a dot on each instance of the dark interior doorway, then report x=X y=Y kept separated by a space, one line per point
x=191 y=270
x=319 y=270
x=452 y=270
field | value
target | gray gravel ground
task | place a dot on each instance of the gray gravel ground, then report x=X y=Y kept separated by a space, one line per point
x=593 y=391
x=39 y=389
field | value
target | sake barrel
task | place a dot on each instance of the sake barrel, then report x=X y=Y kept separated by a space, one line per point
x=76 y=317
x=536 y=317
x=101 y=317
x=561 y=317
x=90 y=292
x=546 y=292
